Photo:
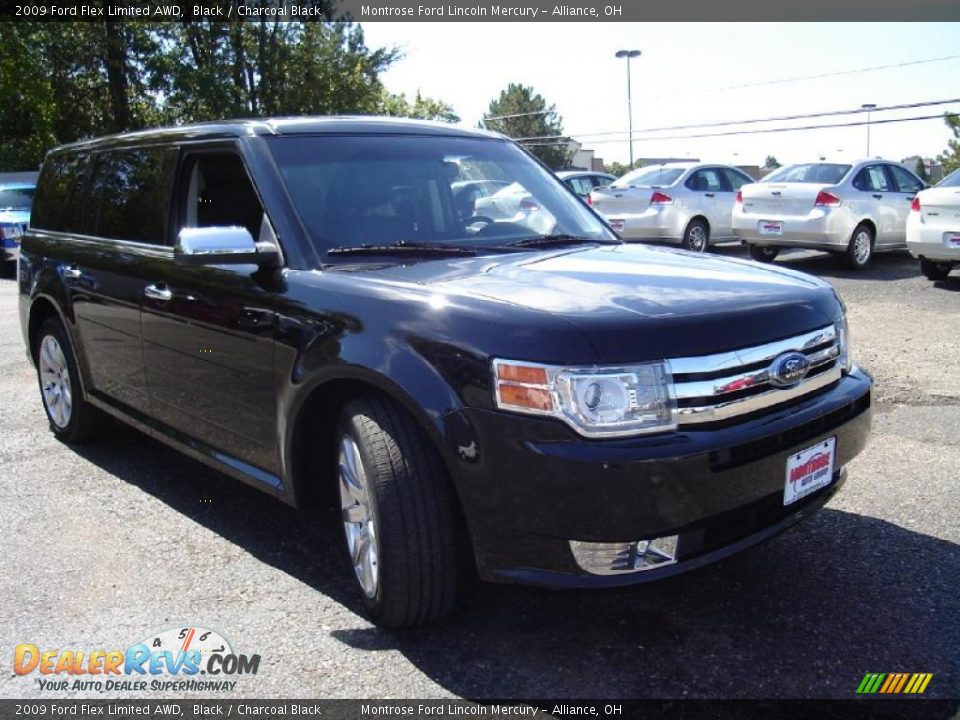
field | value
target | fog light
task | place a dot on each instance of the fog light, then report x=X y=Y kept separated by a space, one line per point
x=624 y=557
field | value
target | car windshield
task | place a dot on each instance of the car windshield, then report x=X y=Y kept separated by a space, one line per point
x=810 y=173
x=657 y=176
x=16 y=198
x=951 y=180
x=413 y=191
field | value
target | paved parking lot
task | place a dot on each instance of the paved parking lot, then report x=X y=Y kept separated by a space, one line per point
x=105 y=543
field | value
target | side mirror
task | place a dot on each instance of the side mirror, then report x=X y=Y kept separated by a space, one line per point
x=223 y=246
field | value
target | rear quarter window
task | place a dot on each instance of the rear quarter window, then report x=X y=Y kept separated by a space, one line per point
x=58 y=200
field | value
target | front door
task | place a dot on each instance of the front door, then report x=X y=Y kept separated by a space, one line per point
x=208 y=331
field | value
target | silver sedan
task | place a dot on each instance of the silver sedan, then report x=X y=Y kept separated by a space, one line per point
x=852 y=210
x=681 y=203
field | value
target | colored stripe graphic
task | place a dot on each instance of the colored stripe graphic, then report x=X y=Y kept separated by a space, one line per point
x=894 y=683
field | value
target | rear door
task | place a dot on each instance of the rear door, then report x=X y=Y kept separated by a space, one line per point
x=709 y=195
x=208 y=331
x=907 y=186
x=124 y=211
x=875 y=197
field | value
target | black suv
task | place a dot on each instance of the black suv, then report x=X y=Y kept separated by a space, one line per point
x=311 y=306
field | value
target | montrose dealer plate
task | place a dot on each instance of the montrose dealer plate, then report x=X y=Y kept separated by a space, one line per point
x=809 y=470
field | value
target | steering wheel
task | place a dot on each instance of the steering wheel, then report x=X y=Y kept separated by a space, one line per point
x=476 y=220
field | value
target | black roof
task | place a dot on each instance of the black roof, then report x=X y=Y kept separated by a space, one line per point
x=333 y=125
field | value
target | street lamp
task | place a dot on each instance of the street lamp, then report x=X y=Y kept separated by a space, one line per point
x=868 y=107
x=629 y=54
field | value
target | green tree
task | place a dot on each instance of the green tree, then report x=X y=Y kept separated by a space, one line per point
x=950 y=158
x=771 y=163
x=618 y=168
x=519 y=112
x=921 y=170
x=422 y=108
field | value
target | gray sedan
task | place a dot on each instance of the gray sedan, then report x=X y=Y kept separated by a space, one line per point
x=851 y=210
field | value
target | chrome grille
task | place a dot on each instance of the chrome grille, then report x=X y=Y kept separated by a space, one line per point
x=713 y=388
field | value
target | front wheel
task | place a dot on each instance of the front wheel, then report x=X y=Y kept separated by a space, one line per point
x=696 y=237
x=763 y=254
x=398 y=515
x=860 y=249
x=934 y=270
x=71 y=417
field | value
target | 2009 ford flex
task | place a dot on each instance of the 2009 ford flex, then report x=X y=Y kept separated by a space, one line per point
x=315 y=307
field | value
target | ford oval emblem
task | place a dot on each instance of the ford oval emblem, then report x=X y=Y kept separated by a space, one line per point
x=788 y=369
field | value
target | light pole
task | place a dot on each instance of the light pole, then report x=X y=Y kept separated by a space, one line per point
x=629 y=54
x=868 y=107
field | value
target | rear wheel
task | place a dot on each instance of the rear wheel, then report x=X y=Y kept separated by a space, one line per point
x=696 y=237
x=860 y=250
x=398 y=514
x=763 y=254
x=934 y=270
x=71 y=417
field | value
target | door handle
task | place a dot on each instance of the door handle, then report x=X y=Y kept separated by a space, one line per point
x=71 y=272
x=878 y=196
x=158 y=292
x=911 y=197
x=709 y=194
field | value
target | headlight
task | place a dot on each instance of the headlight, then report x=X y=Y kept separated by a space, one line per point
x=596 y=402
x=843 y=344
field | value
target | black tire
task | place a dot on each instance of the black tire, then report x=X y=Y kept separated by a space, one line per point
x=696 y=238
x=934 y=270
x=764 y=254
x=84 y=422
x=413 y=510
x=8 y=268
x=860 y=250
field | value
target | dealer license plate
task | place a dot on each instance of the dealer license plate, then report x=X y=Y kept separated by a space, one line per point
x=768 y=227
x=809 y=470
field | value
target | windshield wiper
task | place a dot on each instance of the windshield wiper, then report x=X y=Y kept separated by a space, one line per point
x=556 y=241
x=404 y=247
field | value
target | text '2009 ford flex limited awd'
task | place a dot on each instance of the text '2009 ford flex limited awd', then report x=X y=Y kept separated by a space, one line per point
x=315 y=307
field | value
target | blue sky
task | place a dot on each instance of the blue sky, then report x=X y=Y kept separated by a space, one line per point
x=685 y=76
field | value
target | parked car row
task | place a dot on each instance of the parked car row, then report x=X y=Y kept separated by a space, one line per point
x=852 y=210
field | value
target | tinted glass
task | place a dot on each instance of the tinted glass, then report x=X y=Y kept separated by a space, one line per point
x=129 y=196
x=906 y=181
x=706 y=180
x=872 y=179
x=220 y=194
x=58 y=200
x=383 y=190
x=656 y=176
x=811 y=173
x=16 y=199
x=951 y=180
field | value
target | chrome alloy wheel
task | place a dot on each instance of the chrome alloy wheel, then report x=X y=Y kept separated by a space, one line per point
x=861 y=247
x=697 y=239
x=357 y=515
x=55 y=382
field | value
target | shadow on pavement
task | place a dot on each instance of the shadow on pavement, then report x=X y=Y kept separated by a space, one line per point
x=805 y=615
x=896 y=265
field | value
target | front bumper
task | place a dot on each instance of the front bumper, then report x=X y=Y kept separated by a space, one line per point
x=530 y=486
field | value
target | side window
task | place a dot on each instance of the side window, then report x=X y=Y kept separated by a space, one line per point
x=872 y=179
x=736 y=179
x=58 y=203
x=219 y=193
x=907 y=181
x=706 y=180
x=130 y=194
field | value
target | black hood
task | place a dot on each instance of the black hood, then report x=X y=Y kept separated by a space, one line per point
x=639 y=302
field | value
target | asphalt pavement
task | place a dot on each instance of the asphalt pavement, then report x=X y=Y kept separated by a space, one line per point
x=103 y=544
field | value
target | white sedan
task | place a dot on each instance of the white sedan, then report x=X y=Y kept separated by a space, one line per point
x=933 y=227
x=689 y=204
